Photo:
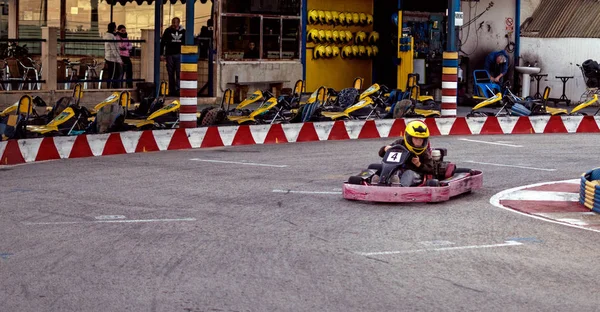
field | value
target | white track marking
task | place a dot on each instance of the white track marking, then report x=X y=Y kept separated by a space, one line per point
x=512 y=166
x=542 y=195
x=306 y=192
x=495 y=200
x=492 y=143
x=238 y=163
x=111 y=221
x=383 y=253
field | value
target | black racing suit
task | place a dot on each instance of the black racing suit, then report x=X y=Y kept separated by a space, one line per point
x=412 y=172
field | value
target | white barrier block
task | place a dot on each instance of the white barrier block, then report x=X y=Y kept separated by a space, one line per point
x=476 y=124
x=384 y=126
x=445 y=125
x=97 y=142
x=29 y=148
x=571 y=123
x=2 y=148
x=354 y=127
x=291 y=131
x=507 y=123
x=228 y=134
x=539 y=123
x=196 y=136
x=323 y=129
x=163 y=138
x=130 y=140
x=259 y=133
x=64 y=145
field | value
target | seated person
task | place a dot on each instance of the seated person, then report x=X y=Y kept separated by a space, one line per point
x=416 y=140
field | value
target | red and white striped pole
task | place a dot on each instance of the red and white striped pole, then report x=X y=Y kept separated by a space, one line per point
x=449 y=84
x=188 y=94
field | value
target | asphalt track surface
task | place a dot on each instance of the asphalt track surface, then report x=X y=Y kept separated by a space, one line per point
x=163 y=232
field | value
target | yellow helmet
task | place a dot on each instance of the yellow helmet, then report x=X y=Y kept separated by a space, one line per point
x=375 y=51
x=360 y=38
x=369 y=51
x=369 y=19
x=349 y=19
x=362 y=18
x=321 y=35
x=373 y=37
x=313 y=35
x=342 y=36
x=354 y=50
x=319 y=52
x=328 y=52
x=335 y=17
x=349 y=36
x=321 y=16
x=355 y=18
x=335 y=36
x=335 y=51
x=328 y=18
x=346 y=52
x=416 y=130
x=328 y=36
x=362 y=52
x=342 y=19
x=313 y=17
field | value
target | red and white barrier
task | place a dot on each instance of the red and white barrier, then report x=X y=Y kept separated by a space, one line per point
x=31 y=150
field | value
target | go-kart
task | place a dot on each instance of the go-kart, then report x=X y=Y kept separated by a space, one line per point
x=446 y=181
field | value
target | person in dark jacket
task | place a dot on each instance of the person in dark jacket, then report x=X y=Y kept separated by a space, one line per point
x=416 y=141
x=252 y=52
x=170 y=45
x=496 y=63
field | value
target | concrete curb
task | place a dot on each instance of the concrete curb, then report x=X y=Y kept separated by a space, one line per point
x=42 y=149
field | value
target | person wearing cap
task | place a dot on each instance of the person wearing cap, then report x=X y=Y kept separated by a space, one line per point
x=496 y=64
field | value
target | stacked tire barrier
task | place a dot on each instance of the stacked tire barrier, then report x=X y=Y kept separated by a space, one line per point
x=86 y=145
x=189 y=87
x=589 y=194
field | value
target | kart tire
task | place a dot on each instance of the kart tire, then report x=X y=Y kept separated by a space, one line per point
x=375 y=166
x=355 y=180
x=463 y=170
x=433 y=182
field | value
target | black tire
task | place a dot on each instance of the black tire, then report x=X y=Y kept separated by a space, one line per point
x=462 y=170
x=433 y=182
x=375 y=166
x=355 y=180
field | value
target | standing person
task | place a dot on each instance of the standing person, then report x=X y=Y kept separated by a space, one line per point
x=112 y=57
x=170 y=45
x=496 y=63
x=125 y=49
x=252 y=52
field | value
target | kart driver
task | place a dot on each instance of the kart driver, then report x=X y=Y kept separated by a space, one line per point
x=416 y=140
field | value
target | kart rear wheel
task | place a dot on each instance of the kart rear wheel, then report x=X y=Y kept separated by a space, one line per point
x=433 y=182
x=463 y=170
x=355 y=180
x=375 y=166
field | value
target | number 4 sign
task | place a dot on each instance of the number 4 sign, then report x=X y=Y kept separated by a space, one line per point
x=394 y=157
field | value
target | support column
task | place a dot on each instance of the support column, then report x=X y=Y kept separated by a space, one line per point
x=157 y=51
x=49 y=57
x=188 y=93
x=450 y=64
x=147 y=56
x=13 y=19
x=449 y=84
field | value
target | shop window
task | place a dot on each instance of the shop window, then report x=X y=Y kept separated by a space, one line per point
x=267 y=7
x=247 y=37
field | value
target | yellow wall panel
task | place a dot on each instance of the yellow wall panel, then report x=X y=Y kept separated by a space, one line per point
x=338 y=73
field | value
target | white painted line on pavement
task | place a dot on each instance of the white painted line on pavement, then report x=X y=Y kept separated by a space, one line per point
x=492 y=143
x=111 y=221
x=306 y=192
x=495 y=200
x=512 y=166
x=383 y=253
x=237 y=163
x=541 y=195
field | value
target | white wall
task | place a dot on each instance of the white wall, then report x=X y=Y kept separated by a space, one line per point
x=558 y=57
x=478 y=40
x=290 y=71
